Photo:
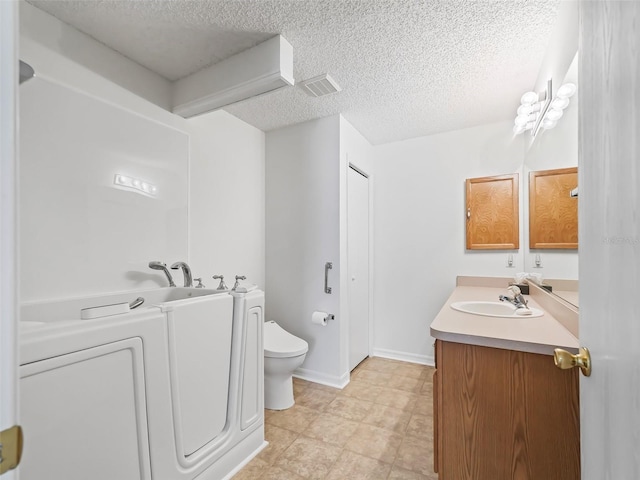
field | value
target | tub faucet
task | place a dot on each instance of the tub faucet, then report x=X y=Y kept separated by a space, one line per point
x=188 y=280
x=156 y=265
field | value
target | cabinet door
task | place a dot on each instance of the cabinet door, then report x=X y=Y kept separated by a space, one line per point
x=553 y=212
x=506 y=415
x=492 y=213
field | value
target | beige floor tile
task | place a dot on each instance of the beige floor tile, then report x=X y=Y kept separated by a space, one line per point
x=379 y=426
x=315 y=399
x=374 y=378
x=325 y=388
x=389 y=418
x=420 y=426
x=407 y=384
x=424 y=405
x=349 y=408
x=411 y=370
x=352 y=466
x=427 y=386
x=375 y=442
x=309 y=458
x=331 y=429
x=279 y=440
x=277 y=473
x=296 y=418
x=252 y=471
x=398 y=473
x=299 y=389
x=396 y=398
x=415 y=454
x=361 y=390
x=380 y=364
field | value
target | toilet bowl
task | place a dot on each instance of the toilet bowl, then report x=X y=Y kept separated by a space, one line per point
x=283 y=353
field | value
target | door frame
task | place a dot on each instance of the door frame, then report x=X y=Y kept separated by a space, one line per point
x=362 y=171
x=9 y=279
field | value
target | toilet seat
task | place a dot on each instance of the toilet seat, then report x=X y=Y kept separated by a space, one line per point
x=278 y=343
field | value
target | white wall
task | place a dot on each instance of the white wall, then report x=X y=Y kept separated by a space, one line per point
x=302 y=233
x=80 y=126
x=419 y=231
x=227 y=195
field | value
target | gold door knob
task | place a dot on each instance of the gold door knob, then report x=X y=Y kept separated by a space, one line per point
x=565 y=360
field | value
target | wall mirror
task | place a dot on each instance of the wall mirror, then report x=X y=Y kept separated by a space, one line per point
x=554 y=149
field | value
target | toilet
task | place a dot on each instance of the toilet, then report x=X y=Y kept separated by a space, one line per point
x=283 y=353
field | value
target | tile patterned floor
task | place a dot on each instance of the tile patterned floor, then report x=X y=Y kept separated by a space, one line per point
x=380 y=426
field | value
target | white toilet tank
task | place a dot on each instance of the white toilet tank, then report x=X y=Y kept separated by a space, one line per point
x=278 y=343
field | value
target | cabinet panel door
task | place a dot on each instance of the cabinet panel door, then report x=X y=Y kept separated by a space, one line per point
x=506 y=415
x=492 y=213
x=553 y=212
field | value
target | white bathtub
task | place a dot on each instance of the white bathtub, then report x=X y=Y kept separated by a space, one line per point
x=153 y=394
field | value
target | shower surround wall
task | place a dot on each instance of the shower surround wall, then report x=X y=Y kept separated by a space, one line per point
x=83 y=120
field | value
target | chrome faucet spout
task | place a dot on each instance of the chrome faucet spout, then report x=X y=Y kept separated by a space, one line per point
x=517 y=300
x=156 y=265
x=188 y=280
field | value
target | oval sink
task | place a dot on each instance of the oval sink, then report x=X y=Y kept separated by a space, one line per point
x=495 y=309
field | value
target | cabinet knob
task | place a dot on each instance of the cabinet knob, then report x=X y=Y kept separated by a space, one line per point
x=468 y=213
x=565 y=360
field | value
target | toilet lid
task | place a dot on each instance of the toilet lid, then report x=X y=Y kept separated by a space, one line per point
x=278 y=343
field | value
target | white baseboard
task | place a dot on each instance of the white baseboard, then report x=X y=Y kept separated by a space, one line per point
x=322 y=378
x=403 y=356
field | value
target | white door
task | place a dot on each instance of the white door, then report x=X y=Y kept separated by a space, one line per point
x=8 y=230
x=609 y=215
x=358 y=265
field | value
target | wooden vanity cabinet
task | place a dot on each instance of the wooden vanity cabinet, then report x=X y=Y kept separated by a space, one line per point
x=504 y=415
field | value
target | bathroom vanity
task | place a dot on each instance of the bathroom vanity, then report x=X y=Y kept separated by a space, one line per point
x=502 y=409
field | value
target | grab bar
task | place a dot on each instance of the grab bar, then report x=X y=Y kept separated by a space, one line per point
x=327 y=266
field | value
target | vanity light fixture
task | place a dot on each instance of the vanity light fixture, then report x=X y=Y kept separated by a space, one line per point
x=542 y=110
x=130 y=183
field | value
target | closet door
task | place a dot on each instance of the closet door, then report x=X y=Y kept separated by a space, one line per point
x=358 y=266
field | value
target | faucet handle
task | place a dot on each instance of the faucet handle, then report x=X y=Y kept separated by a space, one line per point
x=238 y=278
x=222 y=286
x=199 y=285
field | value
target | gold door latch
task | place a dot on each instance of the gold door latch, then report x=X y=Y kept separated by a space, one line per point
x=10 y=448
x=565 y=360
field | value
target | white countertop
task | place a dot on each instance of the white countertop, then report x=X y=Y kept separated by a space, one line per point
x=526 y=334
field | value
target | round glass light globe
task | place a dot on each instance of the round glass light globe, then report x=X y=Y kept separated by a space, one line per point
x=529 y=98
x=566 y=90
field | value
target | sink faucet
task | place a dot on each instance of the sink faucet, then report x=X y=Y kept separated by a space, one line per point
x=516 y=300
x=188 y=281
x=156 y=265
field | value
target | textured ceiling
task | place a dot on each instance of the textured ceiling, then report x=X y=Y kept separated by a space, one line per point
x=407 y=68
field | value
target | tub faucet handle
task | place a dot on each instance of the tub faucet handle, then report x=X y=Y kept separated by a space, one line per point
x=238 y=278
x=200 y=284
x=222 y=286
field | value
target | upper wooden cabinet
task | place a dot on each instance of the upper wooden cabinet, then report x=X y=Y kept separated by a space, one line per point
x=492 y=213
x=553 y=213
